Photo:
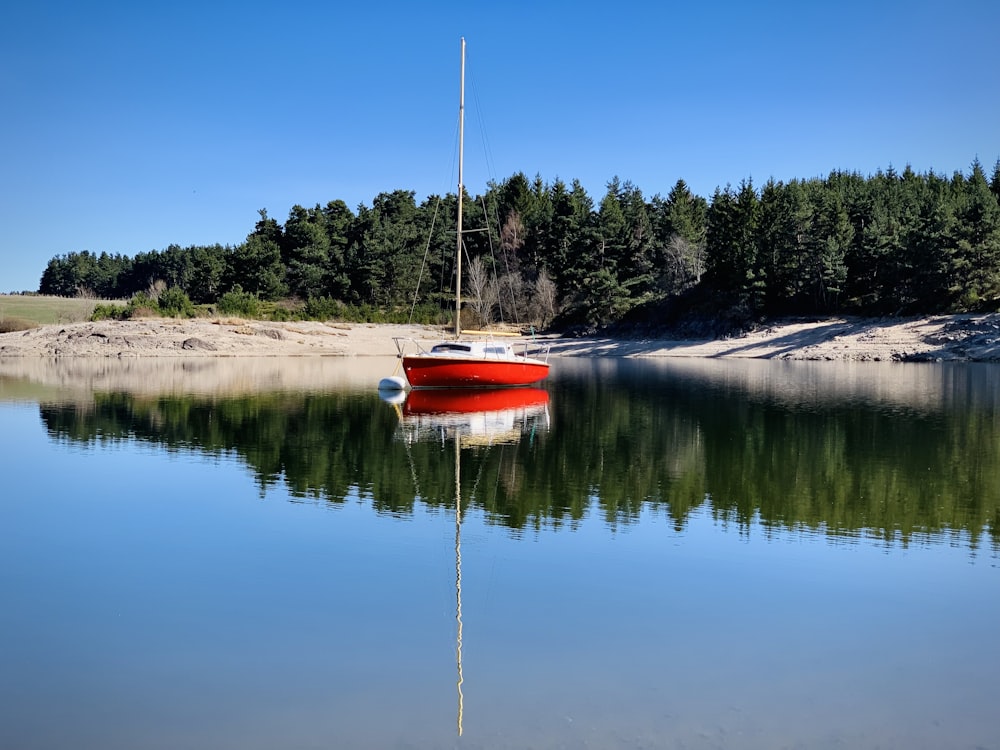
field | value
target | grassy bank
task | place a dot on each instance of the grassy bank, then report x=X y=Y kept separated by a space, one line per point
x=43 y=310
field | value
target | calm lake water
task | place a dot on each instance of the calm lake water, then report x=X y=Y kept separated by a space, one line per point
x=680 y=554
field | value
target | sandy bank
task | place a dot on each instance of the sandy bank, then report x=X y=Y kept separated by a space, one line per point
x=947 y=338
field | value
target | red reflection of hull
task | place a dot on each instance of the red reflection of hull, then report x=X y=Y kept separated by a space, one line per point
x=466 y=401
x=461 y=372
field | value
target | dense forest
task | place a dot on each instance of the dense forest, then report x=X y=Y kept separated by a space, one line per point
x=548 y=255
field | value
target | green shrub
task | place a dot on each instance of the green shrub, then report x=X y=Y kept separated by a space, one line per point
x=141 y=305
x=323 y=308
x=328 y=308
x=175 y=303
x=280 y=314
x=143 y=299
x=104 y=311
x=238 y=302
x=429 y=314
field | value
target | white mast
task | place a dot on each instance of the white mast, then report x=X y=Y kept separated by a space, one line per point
x=461 y=148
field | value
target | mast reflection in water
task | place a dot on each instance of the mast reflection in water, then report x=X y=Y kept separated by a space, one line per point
x=476 y=420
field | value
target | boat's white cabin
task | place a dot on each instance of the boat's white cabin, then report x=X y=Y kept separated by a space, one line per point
x=479 y=349
x=488 y=349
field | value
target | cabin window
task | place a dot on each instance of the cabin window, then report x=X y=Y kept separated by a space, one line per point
x=451 y=348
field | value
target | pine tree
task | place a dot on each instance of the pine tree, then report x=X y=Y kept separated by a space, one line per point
x=784 y=229
x=978 y=242
x=306 y=252
x=995 y=182
x=826 y=270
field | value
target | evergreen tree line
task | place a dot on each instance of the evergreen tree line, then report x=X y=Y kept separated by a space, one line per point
x=537 y=252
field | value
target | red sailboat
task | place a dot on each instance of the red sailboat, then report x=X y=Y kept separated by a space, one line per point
x=463 y=363
x=471 y=363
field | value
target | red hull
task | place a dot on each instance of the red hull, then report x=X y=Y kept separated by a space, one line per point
x=459 y=372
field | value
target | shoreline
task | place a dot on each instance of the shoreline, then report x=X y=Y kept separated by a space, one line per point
x=965 y=337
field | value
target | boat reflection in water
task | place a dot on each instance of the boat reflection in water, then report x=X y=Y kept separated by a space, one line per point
x=469 y=418
x=474 y=416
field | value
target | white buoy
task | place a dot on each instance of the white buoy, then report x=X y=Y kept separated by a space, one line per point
x=392 y=383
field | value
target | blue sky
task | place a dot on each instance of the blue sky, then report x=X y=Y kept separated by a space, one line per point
x=126 y=127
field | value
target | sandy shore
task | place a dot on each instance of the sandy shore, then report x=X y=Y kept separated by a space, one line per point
x=946 y=338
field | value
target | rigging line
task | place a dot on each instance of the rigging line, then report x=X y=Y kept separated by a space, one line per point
x=474 y=493
x=491 y=183
x=409 y=453
x=493 y=257
x=509 y=276
x=449 y=265
x=481 y=122
x=468 y=264
x=423 y=262
x=496 y=481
